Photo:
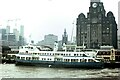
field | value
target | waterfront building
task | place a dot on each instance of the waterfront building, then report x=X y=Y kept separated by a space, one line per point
x=64 y=38
x=97 y=29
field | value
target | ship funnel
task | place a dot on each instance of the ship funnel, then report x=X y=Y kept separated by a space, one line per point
x=64 y=47
x=55 y=46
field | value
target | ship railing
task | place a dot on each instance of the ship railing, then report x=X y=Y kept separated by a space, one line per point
x=100 y=59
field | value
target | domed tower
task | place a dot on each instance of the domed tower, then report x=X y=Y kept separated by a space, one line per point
x=81 y=30
x=111 y=30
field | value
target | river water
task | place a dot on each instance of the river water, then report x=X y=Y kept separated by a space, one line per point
x=12 y=71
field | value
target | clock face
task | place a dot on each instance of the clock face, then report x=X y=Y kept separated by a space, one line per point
x=94 y=5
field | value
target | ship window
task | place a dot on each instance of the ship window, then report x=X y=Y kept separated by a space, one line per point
x=83 y=60
x=91 y=60
x=61 y=54
x=28 y=58
x=23 y=58
x=18 y=57
x=32 y=58
x=35 y=58
x=84 y=55
x=80 y=60
x=26 y=51
x=66 y=60
x=74 y=54
x=74 y=60
x=66 y=54
x=69 y=54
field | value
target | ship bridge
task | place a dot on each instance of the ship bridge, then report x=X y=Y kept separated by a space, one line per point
x=45 y=47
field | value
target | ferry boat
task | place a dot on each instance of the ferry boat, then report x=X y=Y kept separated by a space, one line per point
x=32 y=55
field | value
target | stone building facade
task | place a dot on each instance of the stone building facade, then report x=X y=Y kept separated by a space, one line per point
x=97 y=29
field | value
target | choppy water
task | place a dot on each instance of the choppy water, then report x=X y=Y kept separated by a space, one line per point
x=12 y=71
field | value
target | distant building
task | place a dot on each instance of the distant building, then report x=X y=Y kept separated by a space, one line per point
x=41 y=42
x=22 y=30
x=16 y=33
x=74 y=39
x=60 y=45
x=3 y=33
x=7 y=29
x=21 y=36
x=49 y=40
x=119 y=42
x=97 y=29
x=119 y=18
x=0 y=36
x=11 y=39
x=64 y=37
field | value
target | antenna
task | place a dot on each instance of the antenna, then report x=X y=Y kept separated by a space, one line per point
x=29 y=39
x=72 y=31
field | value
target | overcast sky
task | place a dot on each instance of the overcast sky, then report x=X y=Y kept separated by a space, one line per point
x=42 y=17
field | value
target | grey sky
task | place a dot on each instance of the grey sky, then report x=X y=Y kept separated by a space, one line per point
x=41 y=17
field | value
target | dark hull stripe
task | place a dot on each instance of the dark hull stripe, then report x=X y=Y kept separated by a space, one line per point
x=60 y=64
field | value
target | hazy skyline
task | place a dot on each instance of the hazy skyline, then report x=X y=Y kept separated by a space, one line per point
x=42 y=17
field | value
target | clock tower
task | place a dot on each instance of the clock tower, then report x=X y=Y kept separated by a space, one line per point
x=94 y=25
